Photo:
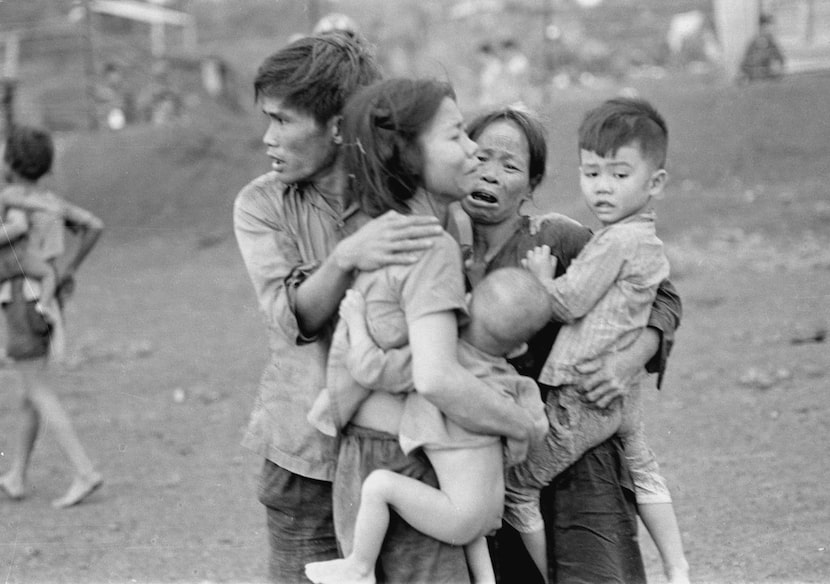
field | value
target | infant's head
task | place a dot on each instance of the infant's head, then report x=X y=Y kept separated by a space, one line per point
x=508 y=307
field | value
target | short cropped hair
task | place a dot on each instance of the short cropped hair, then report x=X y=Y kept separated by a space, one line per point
x=530 y=126
x=29 y=152
x=317 y=74
x=622 y=122
x=381 y=126
x=511 y=304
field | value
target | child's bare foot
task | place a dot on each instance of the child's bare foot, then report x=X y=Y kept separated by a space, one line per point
x=345 y=571
x=81 y=488
x=12 y=488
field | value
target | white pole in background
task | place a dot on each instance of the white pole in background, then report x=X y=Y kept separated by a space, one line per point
x=736 y=22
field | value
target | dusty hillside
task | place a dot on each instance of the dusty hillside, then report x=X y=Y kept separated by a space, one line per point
x=752 y=158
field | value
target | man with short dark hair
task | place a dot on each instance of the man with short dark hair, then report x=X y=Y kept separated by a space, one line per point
x=302 y=237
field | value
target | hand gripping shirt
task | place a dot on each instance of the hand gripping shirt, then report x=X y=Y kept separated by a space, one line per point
x=395 y=296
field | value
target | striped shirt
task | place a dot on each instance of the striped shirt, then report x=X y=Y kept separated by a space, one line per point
x=605 y=297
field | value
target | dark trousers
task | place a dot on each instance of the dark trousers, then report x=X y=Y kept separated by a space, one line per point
x=300 y=522
x=591 y=525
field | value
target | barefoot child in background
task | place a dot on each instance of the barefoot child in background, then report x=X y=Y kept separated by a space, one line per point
x=605 y=298
x=27 y=157
x=506 y=309
x=29 y=334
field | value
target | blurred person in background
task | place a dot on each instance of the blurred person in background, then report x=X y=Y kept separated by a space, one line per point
x=490 y=73
x=763 y=58
x=29 y=334
x=516 y=73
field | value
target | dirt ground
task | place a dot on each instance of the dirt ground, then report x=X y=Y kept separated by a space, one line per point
x=168 y=346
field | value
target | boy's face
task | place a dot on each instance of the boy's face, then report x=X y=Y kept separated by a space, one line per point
x=619 y=185
x=300 y=149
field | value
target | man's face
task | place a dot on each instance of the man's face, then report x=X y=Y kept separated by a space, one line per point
x=300 y=149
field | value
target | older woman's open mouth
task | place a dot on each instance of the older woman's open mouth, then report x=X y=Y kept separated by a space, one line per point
x=483 y=197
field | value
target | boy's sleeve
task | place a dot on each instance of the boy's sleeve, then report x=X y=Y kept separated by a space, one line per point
x=665 y=319
x=588 y=278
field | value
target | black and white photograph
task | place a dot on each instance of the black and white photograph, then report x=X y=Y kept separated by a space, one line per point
x=414 y=291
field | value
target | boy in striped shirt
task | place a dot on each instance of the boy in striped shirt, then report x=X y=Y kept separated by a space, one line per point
x=604 y=299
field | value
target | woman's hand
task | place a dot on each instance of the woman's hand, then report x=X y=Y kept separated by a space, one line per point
x=609 y=377
x=391 y=239
x=540 y=262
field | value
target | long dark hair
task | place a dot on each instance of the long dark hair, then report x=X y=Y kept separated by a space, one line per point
x=381 y=125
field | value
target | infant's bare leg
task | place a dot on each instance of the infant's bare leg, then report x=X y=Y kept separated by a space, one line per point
x=471 y=500
x=467 y=506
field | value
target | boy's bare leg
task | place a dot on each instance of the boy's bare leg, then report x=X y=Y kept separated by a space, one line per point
x=661 y=523
x=468 y=505
x=87 y=479
x=13 y=483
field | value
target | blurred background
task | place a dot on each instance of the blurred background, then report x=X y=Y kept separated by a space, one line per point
x=165 y=85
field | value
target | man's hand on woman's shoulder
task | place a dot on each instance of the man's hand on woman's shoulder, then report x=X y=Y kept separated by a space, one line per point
x=391 y=239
